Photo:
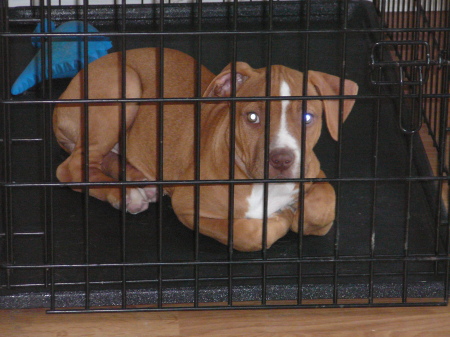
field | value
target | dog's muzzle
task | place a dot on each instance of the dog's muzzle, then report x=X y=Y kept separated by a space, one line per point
x=281 y=161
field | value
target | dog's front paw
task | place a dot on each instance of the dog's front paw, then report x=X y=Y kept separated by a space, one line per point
x=309 y=229
x=151 y=193
x=137 y=199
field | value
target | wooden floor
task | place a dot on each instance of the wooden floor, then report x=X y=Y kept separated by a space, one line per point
x=358 y=322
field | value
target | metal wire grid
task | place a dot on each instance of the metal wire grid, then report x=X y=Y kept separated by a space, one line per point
x=422 y=22
x=426 y=31
x=424 y=25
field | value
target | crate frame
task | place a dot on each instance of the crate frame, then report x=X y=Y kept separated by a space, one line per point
x=425 y=53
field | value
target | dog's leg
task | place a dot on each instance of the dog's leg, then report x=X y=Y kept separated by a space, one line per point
x=104 y=128
x=319 y=209
x=104 y=167
x=247 y=233
x=104 y=131
x=138 y=198
x=73 y=168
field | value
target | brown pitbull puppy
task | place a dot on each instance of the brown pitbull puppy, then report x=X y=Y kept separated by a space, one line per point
x=142 y=143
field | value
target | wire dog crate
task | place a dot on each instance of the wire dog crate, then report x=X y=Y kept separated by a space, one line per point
x=390 y=242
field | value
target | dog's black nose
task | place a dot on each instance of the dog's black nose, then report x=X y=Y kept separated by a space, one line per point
x=281 y=159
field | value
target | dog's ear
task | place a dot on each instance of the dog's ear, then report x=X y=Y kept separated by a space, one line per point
x=329 y=85
x=221 y=84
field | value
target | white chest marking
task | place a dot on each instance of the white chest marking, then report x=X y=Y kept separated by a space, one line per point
x=279 y=197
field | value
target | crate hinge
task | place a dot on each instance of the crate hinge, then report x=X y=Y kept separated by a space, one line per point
x=443 y=60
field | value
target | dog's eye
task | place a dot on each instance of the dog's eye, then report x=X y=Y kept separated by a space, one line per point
x=309 y=117
x=253 y=117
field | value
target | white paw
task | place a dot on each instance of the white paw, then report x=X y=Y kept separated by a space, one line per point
x=151 y=193
x=136 y=201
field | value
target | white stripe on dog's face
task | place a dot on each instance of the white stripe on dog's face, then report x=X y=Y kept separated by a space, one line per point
x=284 y=139
x=279 y=195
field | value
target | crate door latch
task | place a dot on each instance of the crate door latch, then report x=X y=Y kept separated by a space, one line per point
x=405 y=65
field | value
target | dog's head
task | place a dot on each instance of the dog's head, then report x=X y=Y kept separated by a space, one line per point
x=288 y=117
